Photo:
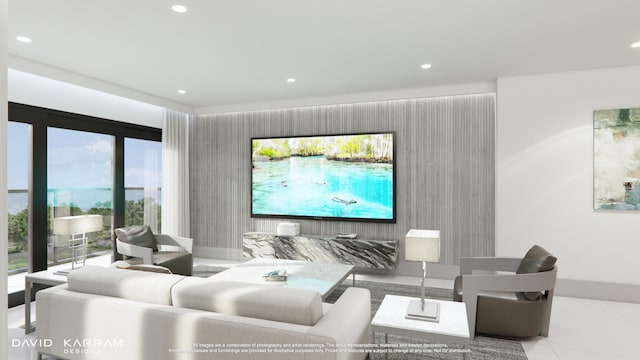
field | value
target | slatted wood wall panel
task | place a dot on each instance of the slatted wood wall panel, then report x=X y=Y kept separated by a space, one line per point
x=444 y=159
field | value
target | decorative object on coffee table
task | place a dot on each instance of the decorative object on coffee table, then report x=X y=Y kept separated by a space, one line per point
x=276 y=275
x=423 y=245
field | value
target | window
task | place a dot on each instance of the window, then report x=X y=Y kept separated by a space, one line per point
x=68 y=164
x=80 y=176
x=143 y=183
x=19 y=142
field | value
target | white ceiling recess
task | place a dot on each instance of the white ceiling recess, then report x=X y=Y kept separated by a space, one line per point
x=229 y=52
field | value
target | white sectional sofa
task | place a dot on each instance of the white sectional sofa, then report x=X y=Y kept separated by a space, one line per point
x=109 y=313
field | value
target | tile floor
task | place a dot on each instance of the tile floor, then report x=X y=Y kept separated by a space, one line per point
x=580 y=328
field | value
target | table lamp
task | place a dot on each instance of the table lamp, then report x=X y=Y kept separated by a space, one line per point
x=423 y=245
x=77 y=227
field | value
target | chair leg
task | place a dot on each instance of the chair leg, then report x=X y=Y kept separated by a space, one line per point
x=547 y=314
x=471 y=303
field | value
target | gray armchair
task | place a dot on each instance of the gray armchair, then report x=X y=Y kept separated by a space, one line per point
x=139 y=245
x=508 y=296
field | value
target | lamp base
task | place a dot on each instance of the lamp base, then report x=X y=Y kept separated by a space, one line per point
x=431 y=311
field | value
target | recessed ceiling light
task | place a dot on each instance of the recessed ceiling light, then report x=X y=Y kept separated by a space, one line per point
x=182 y=91
x=23 y=39
x=425 y=66
x=291 y=80
x=636 y=45
x=179 y=8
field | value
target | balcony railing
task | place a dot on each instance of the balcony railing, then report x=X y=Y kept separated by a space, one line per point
x=142 y=207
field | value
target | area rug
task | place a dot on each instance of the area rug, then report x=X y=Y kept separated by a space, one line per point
x=481 y=348
x=206 y=270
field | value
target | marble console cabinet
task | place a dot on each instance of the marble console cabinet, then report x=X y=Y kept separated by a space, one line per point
x=378 y=254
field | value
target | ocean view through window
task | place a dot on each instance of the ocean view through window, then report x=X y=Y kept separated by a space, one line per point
x=60 y=164
x=143 y=183
x=79 y=181
x=19 y=142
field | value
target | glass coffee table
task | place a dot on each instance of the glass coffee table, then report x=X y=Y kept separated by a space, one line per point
x=320 y=277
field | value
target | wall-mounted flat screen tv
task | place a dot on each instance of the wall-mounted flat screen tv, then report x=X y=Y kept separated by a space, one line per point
x=334 y=177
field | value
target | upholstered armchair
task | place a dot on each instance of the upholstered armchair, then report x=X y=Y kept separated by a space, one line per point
x=139 y=245
x=508 y=296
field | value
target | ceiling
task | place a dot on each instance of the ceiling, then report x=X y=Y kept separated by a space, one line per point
x=242 y=51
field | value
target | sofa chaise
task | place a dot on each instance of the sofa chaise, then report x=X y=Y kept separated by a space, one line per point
x=110 y=313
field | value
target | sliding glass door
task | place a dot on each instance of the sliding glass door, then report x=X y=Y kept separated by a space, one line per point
x=19 y=163
x=143 y=183
x=80 y=172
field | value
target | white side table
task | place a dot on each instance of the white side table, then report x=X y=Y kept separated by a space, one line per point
x=452 y=327
x=44 y=277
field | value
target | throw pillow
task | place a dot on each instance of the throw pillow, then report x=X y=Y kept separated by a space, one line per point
x=537 y=259
x=140 y=235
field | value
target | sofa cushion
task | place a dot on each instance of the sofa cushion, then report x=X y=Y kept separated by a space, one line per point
x=537 y=259
x=140 y=286
x=140 y=235
x=269 y=302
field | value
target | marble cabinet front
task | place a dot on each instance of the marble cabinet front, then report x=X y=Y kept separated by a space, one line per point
x=377 y=254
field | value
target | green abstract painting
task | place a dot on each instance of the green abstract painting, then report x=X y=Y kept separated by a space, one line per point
x=616 y=165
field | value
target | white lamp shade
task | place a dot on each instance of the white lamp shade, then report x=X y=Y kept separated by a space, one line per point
x=70 y=225
x=422 y=245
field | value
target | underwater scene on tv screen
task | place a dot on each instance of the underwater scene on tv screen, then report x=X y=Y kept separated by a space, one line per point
x=346 y=176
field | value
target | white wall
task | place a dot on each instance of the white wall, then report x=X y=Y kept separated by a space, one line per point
x=4 y=10
x=26 y=88
x=544 y=173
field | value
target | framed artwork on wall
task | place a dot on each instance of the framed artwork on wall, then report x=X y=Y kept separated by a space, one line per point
x=616 y=159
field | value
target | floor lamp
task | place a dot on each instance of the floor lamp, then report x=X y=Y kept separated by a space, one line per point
x=423 y=245
x=77 y=227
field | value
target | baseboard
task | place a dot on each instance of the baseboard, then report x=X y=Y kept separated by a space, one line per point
x=598 y=290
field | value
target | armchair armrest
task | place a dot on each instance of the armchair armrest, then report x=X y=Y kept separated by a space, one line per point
x=541 y=281
x=172 y=240
x=468 y=264
x=135 y=251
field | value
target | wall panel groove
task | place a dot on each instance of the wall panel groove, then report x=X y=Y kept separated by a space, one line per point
x=444 y=180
